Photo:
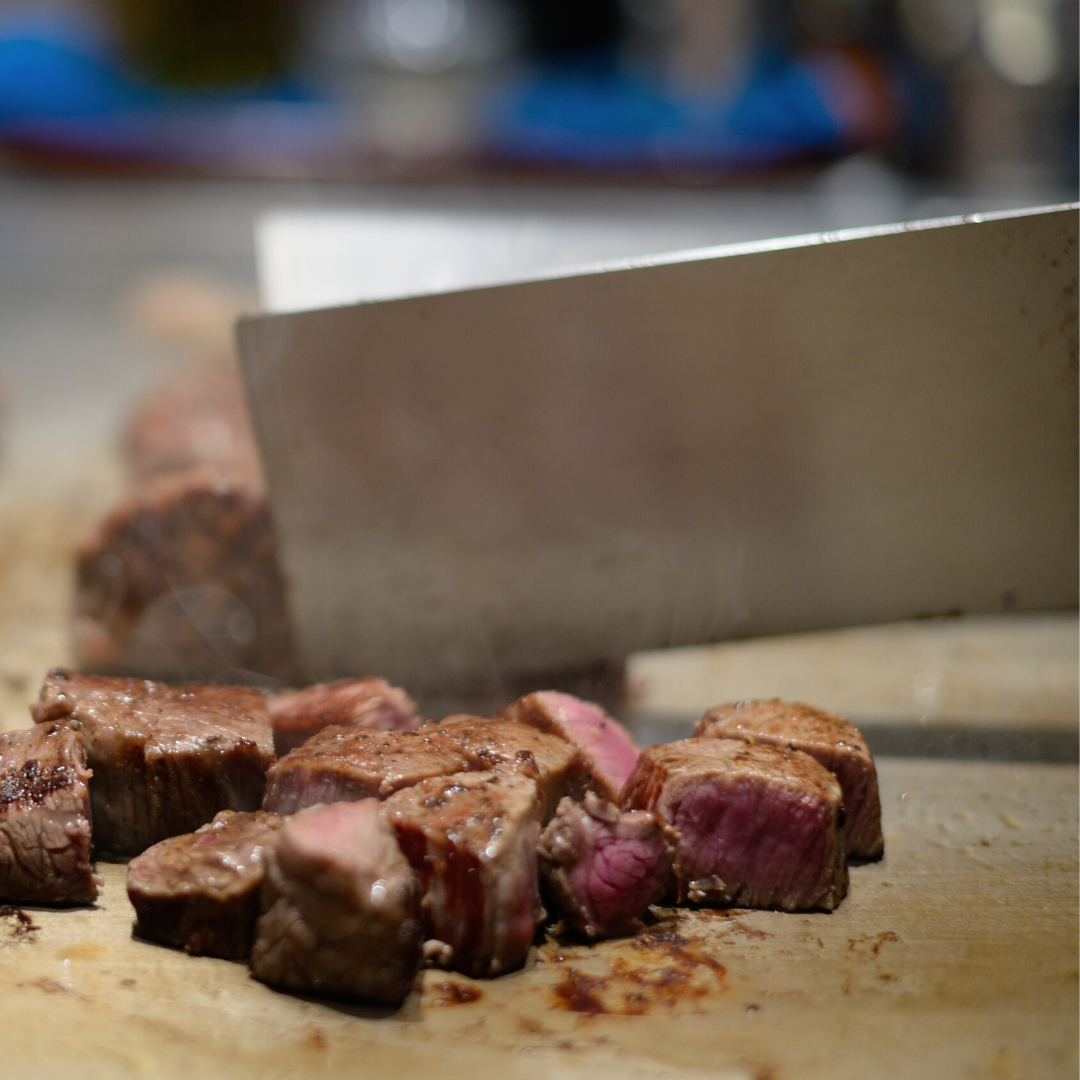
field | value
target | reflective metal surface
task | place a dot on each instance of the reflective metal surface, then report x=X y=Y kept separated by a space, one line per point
x=845 y=429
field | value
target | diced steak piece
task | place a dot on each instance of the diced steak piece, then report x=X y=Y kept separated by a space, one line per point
x=472 y=838
x=610 y=751
x=603 y=866
x=181 y=581
x=165 y=759
x=827 y=738
x=346 y=764
x=44 y=817
x=201 y=891
x=363 y=703
x=341 y=907
x=198 y=417
x=491 y=744
x=759 y=826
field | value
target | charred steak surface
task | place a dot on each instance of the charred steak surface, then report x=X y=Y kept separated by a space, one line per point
x=341 y=907
x=607 y=746
x=602 y=866
x=45 y=817
x=201 y=891
x=472 y=838
x=363 y=703
x=347 y=764
x=827 y=738
x=165 y=759
x=758 y=826
x=498 y=743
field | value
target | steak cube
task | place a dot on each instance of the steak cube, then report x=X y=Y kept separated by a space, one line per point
x=492 y=744
x=346 y=764
x=472 y=838
x=181 y=581
x=758 y=826
x=201 y=891
x=827 y=738
x=365 y=703
x=610 y=751
x=602 y=867
x=341 y=907
x=197 y=417
x=165 y=759
x=44 y=817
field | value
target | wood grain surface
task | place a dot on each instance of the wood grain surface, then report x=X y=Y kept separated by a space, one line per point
x=956 y=956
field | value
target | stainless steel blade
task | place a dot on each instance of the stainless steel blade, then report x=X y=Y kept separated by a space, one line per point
x=474 y=486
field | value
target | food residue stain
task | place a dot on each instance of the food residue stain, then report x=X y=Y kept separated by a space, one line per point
x=20 y=926
x=86 y=951
x=872 y=943
x=664 y=973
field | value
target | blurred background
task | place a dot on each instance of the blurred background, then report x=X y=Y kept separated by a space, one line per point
x=142 y=140
x=974 y=95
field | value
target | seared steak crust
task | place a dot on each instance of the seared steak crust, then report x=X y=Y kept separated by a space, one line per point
x=44 y=817
x=201 y=891
x=492 y=744
x=165 y=759
x=759 y=826
x=346 y=764
x=472 y=838
x=607 y=746
x=602 y=867
x=341 y=907
x=366 y=703
x=827 y=738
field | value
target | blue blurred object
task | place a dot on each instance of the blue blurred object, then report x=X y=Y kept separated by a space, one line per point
x=599 y=116
x=64 y=92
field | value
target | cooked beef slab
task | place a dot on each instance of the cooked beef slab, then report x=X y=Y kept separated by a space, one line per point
x=44 y=817
x=198 y=417
x=201 y=891
x=346 y=764
x=363 y=703
x=472 y=838
x=492 y=744
x=758 y=826
x=610 y=751
x=165 y=759
x=602 y=866
x=341 y=907
x=181 y=581
x=827 y=738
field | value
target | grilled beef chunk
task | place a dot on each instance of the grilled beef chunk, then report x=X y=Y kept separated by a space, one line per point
x=759 y=826
x=180 y=581
x=201 y=891
x=198 y=417
x=165 y=759
x=827 y=738
x=602 y=867
x=610 y=751
x=341 y=907
x=362 y=703
x=472 y=838
x=44 y=817
x=492 y=744
x=345 y=764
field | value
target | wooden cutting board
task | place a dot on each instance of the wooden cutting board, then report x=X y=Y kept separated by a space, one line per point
x=956 y=956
